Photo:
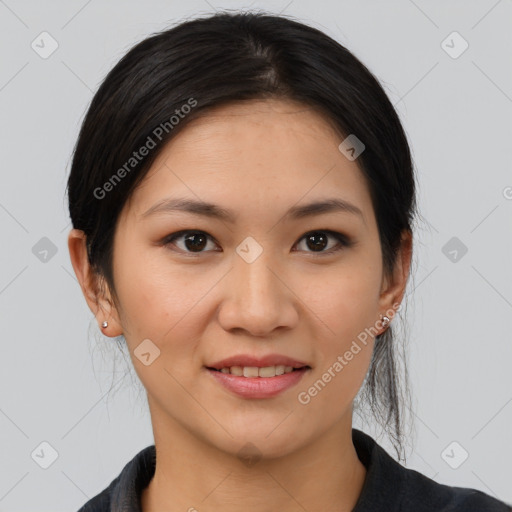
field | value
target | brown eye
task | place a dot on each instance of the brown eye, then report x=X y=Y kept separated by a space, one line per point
x=193 y=241
x=317 y=241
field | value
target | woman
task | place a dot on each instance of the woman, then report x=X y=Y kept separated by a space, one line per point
x=242 y=197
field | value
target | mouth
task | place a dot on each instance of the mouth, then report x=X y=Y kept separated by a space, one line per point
x=251 y=377
x=259 y=372
x=253 y=382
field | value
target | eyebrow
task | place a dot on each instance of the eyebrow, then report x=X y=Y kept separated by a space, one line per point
x=172 y=205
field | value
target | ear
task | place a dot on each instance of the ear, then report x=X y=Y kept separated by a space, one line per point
x=393 y=287
x=93 y=285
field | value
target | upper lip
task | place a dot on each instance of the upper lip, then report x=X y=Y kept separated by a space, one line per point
x=260 y=362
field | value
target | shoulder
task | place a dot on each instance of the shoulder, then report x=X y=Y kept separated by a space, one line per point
x=424 y=494
x=391 y=487
x=125 y=490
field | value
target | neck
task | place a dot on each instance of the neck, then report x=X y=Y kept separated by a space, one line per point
x=191 y=475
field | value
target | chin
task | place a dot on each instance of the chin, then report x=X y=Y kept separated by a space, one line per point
x=250 y=449
x=267 y=439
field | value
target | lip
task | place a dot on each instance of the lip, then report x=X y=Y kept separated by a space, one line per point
x=260 y=362
x=258 y=387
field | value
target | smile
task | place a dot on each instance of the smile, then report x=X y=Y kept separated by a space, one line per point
x=254 y=371
x=250 y=384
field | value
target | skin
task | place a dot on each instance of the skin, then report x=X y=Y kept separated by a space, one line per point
x=259 y=159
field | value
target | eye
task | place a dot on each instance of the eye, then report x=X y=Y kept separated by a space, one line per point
x=196 y=241
x=318 y=240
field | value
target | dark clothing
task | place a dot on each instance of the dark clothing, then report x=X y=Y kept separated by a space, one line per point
x=388 y=487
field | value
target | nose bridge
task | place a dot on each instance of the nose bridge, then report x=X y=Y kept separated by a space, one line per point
x=256 y=300
x=256 y=284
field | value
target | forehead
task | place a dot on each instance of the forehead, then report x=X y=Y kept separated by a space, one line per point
x=257 y=123
x=258 y=154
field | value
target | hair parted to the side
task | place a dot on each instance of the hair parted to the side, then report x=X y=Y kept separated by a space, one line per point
x=229 y=57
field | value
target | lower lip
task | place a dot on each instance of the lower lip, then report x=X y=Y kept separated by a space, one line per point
x=258 y=387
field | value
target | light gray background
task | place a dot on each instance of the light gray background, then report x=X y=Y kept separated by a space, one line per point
x=457 y=114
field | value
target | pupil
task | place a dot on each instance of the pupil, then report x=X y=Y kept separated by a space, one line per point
x=195 y=246
x=318 y=235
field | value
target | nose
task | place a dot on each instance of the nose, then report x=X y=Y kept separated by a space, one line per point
x=257 y=299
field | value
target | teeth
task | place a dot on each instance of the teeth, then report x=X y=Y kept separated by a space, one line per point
x=250 y=371
x=254 y=371
x=237 y=370
x=268 y=371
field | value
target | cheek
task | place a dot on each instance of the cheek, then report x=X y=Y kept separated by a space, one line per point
x=349 y=306
x=346 y=309
x=331 y=391
x=158 y=301
x=345 y=301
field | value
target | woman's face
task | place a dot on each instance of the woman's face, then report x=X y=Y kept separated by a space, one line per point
x=253 y=285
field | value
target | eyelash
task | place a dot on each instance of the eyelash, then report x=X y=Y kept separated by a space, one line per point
x=343 y=240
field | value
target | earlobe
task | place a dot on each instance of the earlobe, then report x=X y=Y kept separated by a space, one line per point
x=110 y=329
x=106 y=314
x=107 y=317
